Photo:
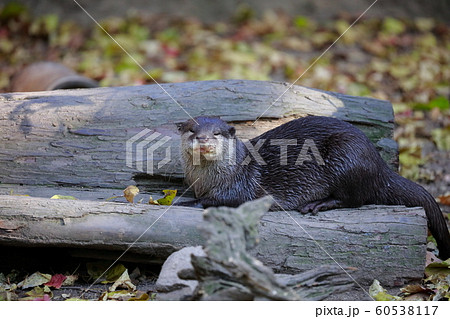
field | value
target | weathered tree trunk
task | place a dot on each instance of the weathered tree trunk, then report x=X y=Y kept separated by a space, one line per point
x=383 y=242
x=79 y=137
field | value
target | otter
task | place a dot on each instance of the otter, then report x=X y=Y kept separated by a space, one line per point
x=309 y=164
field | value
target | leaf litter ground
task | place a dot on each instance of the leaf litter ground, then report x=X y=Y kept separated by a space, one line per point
x=404 y=61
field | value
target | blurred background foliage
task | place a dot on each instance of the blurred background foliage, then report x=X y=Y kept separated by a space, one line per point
x=405 y=61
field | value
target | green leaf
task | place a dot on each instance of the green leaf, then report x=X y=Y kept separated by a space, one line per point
x=168 y=198
x=50 y=22
x=169 y=35
x=441 y=137
x=378 y=293
x=12 y=10
x=140 y=296
x=358 y=89
x=97 y=269
x=139 y=33
x=302 y=22
x=38 y=292
x=243 y=14
x=428 y=40
x=393 y=26
x=440 y=102
x=424 y=24
x=341 y=25
x=441 y=269
x=400 y=71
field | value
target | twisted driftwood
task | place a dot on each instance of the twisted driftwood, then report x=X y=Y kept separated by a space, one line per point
x=229 y=272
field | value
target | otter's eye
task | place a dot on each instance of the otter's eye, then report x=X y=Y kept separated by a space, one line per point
x=191 y=130
x=217 y=133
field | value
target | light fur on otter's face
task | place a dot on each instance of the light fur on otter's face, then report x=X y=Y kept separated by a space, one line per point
x=205 y=140
x=207 y=146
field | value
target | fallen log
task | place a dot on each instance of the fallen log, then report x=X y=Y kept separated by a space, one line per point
x=102 y=137
x=98 y=141
x=387 y=243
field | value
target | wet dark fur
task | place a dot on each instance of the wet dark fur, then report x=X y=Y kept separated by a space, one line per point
x=353 y=173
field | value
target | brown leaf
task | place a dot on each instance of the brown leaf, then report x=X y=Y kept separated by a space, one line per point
x=130 y=192
x=444 y=199
x=151 y=201
x=413 y=289
x=431 y=258
x=123 y=281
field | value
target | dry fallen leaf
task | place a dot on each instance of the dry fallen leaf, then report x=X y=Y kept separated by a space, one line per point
x=413 y=289
x=34 y=280
x=444 y=199
x=120 y=295
x=125 y=295
x=70 y=280
x=62 y=197
x=431 y=258
x=38 y=294
x=151 y=201
x=123 y=281
x=130 y=192
x=101 y=268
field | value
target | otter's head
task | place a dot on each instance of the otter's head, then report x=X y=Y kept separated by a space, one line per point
x=205 y=138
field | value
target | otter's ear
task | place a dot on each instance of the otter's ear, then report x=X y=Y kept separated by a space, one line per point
x=232 y=131
x=181 y=127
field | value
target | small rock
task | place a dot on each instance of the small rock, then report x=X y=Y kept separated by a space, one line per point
x=169 y=285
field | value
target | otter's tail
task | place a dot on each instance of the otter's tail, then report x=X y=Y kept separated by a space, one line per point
x=402 y=191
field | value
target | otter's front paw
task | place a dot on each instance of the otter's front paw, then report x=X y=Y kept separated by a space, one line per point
x=310 y=208
x=320 y=205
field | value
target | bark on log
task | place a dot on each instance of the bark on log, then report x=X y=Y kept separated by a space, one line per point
x=383 y=242
x=78 y=137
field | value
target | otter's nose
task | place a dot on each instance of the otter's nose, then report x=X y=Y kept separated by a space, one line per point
x=202 y=138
